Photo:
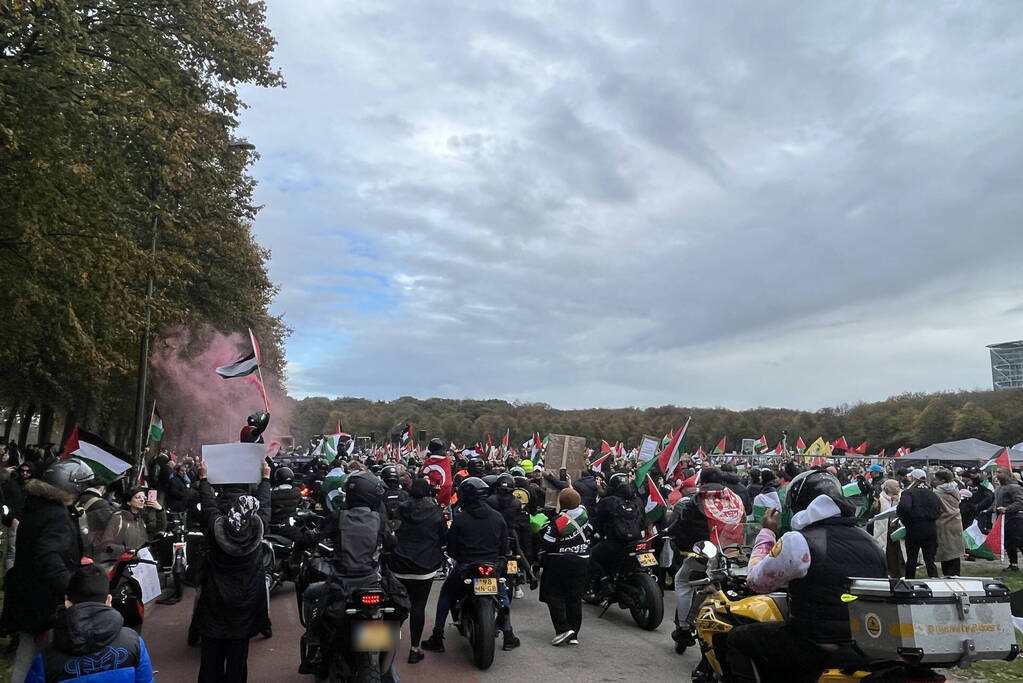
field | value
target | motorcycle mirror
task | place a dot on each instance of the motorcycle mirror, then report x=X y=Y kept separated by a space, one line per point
x=291 y=521
x=706 y=548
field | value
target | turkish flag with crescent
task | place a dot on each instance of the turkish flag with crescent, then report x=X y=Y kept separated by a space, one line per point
x=437 y=469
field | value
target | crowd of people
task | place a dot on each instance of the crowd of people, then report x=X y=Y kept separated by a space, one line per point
x=392 y=525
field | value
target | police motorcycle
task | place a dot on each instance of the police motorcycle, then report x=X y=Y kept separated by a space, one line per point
x=725 y=602
x=358 y=621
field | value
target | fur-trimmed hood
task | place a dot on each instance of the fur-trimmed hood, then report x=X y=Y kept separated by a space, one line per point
x=38 y=487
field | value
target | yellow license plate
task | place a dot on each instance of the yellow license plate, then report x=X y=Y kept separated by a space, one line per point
x=485 y=586
x=646 y=559
x=373 y=636
x=513 y=566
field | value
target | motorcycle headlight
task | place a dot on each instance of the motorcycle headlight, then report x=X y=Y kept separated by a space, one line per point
x=291 y=521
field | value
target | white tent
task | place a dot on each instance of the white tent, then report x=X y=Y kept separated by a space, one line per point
x=966 y=453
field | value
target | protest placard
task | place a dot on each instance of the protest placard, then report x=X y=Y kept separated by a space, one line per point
x=234 y=463
x=563 y=452
x=648 y=448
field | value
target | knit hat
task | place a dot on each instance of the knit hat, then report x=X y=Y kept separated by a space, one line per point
x=88 y=583
x=420 y=488
x=569 y=499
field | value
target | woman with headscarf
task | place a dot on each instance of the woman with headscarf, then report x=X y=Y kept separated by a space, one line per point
x=130 y=528
x=418 y=555
x=891 y=491
x=231 y=606
x=951 y=546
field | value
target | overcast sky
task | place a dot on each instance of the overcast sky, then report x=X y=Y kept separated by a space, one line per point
x=734 y=204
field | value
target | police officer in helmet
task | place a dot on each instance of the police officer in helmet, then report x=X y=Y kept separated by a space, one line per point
x=815 y=560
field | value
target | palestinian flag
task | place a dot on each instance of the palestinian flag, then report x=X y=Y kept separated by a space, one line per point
x=760 y=443
x=668 y=459
x=156 y=425
x=505 y=438
x=245 y=365
x=978 y=545
x=840 y=443
x=861 y=449
x=599 y=462
x=1001 y=460
x=108 y=462
x=764 y=502
x=563 y=524
x=881 y=454
x=605 y=447
x=800 y=446
x=655 y=505
x=779 y=449
x=720 y=448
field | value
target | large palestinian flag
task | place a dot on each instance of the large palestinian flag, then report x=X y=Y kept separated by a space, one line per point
x=108 y=462
x=246 y=365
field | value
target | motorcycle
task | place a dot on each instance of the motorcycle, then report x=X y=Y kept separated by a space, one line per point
x=477 y=611
x=633 y=587
x=282 y=564
x=725 y=602
x=125 y=591
x=315 y=565
x=360 y=636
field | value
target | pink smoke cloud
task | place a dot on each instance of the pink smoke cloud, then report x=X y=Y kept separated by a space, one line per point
x=198 y=406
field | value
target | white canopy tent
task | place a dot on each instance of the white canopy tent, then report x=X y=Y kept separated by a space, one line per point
x=964 y=453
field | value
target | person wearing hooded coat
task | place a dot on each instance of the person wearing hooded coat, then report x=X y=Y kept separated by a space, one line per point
x=49 y=551
x=951 y=546
x=418 y=555
x=231 y=606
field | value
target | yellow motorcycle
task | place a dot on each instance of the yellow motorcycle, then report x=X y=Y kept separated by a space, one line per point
x=726 y=602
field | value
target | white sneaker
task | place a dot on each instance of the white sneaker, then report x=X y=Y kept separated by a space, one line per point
x=573 y=641
x=519 y=593
x=562 y=637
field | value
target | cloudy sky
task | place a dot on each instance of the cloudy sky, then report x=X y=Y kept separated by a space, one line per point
x=638 y=203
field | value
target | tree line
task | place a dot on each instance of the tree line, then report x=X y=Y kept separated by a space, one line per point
x=117 y=163
x=912 y=420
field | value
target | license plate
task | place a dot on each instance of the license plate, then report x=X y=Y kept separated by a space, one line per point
x=485 y=587
x=373 y=636
x=513 y=566
x=646 y=559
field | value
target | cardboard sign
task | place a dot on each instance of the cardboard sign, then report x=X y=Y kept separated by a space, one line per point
x=563 y=452
x=234 y=463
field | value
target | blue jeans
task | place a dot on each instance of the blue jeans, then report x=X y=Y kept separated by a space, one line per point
x=454 y=586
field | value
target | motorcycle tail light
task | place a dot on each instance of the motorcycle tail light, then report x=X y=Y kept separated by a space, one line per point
x=486 y=570
x=304 y=492
x=642 y=546
x=372 y=599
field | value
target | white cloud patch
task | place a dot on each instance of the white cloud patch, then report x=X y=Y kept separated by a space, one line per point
x=633 y=203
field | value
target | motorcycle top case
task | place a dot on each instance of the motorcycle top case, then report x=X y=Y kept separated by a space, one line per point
x=938 y=622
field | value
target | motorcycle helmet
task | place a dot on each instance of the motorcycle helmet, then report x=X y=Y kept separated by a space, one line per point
x=527 y=466
x=620 y=484
x=363 y=489
x=505 y=482
x=476 y=467
x=521 y=482
x=435 y=447
x=258 y=422
x=283 y=475
x=389 y=473
x=472 y=490
x=517 y=472
x=71 y=476
x=375 y=468
x=808 y=485
x=490 y=480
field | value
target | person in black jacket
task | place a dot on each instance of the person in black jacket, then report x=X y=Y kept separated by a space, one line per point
x=98 y=511
x=178 y=494
x=478 y=534
x=417 y=555
x=394 y=494
x=918 y=510
x=565 y=549
x=284 y=500
x=731 y=481
x=231 y=605
x=979 y=500
x=619 y=521
x=90 y=639
x=49 y=550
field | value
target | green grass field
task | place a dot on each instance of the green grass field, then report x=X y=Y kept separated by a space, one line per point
x=994 y=672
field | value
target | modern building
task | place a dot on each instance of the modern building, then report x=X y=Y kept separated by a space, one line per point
x=1007 y=365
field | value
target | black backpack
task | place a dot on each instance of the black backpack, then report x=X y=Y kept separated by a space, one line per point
x=627 y=520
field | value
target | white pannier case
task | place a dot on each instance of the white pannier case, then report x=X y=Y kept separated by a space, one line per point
x=938 y=622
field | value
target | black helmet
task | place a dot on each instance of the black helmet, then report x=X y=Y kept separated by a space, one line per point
x=620 y=484
x=476 y=467
x=808 y=485
x=389 y=473
x=375 y=468
x=505 y=482
x=521 y=482
x=472 y=490
x=490 y=480
x=435 y=446
x=363 y=489
x=283 y=475
x=71 y=476
x=259 y=422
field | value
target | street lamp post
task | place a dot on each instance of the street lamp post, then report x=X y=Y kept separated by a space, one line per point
x=140 y=437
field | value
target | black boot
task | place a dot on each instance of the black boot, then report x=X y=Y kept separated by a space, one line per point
x=435 y=643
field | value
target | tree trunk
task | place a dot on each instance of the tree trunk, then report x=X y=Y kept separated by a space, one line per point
x=26 y=424
x=70 y=420
x=12 y=412
x=45 y=425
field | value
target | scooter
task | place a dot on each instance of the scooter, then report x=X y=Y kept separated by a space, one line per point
x=477 y=611
x=725 y=602
x=633 y=587
x=125 y=591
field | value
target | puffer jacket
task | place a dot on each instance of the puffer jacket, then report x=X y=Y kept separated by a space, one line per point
x=420 y=539
x=91 y=643
x=49 y=550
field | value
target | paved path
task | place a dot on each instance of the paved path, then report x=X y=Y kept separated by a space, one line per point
x=610 y=649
